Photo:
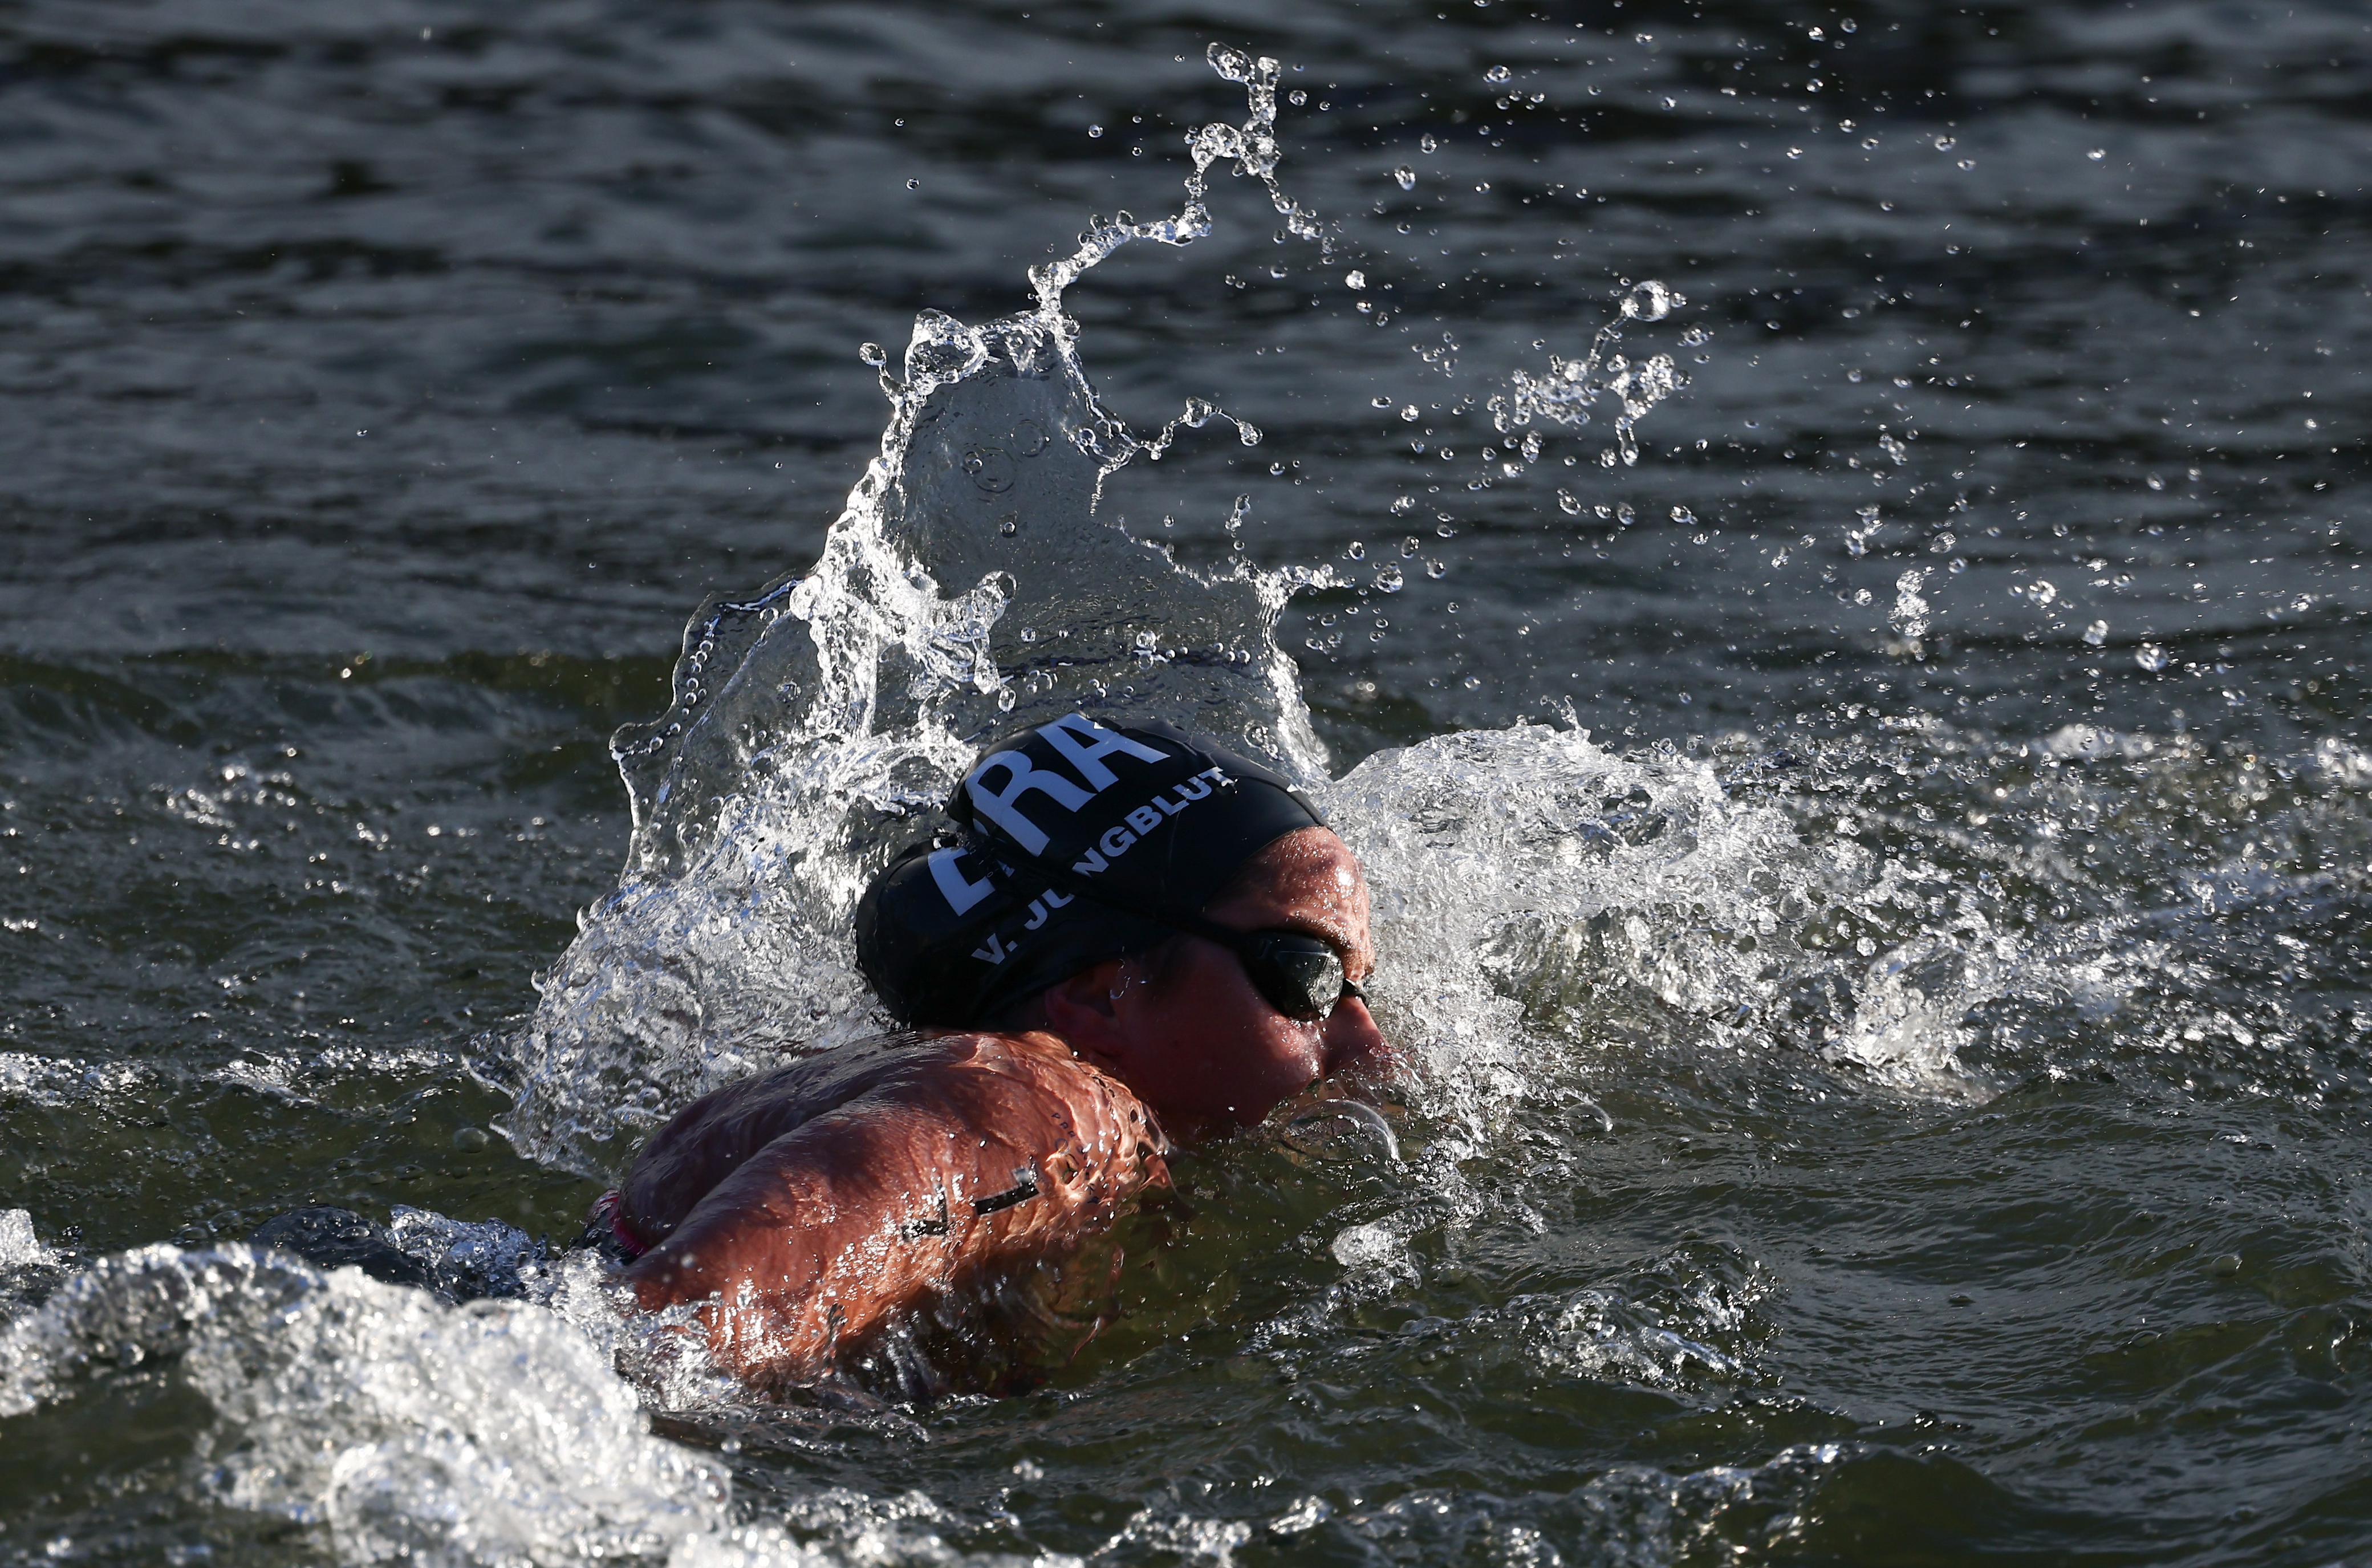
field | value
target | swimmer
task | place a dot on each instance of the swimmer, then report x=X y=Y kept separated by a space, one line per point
x=1125 y=935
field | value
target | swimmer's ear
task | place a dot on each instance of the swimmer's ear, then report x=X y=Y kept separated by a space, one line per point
x=1084 y=1009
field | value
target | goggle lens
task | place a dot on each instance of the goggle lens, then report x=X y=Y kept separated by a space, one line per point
x=1297 y=974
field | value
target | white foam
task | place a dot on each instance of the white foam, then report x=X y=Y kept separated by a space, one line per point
x=402 y=1427
x=63 y=1080
x=1525 y=876
x=1375 y=1255
x=19 y=1247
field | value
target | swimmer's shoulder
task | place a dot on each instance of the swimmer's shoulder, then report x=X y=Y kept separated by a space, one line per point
x=1100 y=1108
x=711 y=1137
x=800 y=1091
x=1025 y=1093
x=714 y=1134
x=1009 y=1080
x=753 y=1110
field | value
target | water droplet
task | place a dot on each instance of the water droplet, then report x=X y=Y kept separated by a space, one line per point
x=1496 y=73
x=1569 y=502
x=1968 y=163
x=2150 y=656
x=1379 y=403
x=1354 y=279
x=1942 y=544
x=1094 y=129
x=1650 y=301
x=1233 y=64
x=1389 y=579
x=1427 y=143
x=1624 y=515
x=1434 y=569
x=1410 y=546
x=1403 y=506
x=1297 y=98
x=873 y=354
x=2097 y=154
x=1944 y=143
x=1406 y=176
x=1910 y=613
x=1409 y=415
x=1357 y=551
x=2097 y=633
x=913 y=185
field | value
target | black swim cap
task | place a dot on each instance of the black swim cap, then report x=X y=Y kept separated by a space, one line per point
x=1072 y=842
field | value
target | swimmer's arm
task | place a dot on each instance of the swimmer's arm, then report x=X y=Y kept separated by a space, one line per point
x=893 y=1196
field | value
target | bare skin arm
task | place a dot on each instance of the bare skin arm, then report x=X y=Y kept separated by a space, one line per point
x=933 y=1169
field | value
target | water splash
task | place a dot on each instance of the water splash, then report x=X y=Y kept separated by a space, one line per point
x=970 y=583
x=1253 y=147
x=1537 y=895
x=1566 y=395
x=20 y=1247
x=1541 y=899
x=389 y=1425
x=1910 y=614
x=401 y=1427
x=28 y=1266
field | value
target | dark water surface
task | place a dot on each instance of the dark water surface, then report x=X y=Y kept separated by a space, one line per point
x=382 y=386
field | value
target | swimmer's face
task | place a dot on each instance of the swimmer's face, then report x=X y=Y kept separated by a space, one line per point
x=1193 y=1036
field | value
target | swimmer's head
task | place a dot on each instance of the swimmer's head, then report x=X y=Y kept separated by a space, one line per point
x=1069 y=844
x=1083 y=856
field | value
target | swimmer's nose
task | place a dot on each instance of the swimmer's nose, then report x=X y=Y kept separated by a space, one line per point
x=1352 y=1037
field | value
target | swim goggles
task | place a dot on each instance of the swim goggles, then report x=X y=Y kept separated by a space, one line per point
x=1300 y=975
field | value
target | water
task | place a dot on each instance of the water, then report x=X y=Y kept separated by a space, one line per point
x=1875 y=873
